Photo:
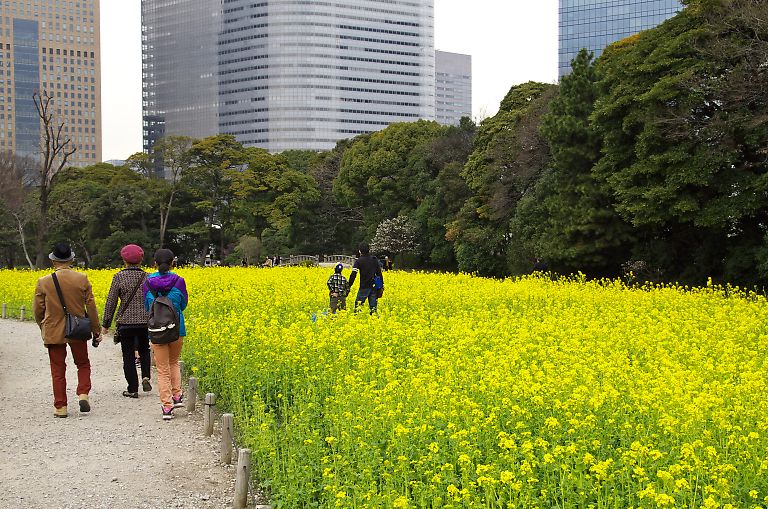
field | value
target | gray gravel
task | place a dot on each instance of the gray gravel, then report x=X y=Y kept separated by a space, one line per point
x=121 y=455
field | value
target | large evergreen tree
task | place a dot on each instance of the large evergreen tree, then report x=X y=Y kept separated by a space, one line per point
x=684 y=134
x=570 y=216
x=509 y=157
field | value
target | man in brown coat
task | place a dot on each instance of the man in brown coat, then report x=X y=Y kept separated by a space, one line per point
x=49 y=314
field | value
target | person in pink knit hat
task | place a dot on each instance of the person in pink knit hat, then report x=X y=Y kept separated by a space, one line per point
x=131 y=328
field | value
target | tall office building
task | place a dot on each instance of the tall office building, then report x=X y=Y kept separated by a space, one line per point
x=288 y=74
x=453 y=87
x=51 y=46
x=594 y=24
x=180 y=61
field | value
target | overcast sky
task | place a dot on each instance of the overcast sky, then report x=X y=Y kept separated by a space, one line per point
x=511 y=42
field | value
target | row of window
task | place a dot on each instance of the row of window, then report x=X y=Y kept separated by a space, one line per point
x=629 y=4
x=328 y=14
x=72 y=53
x=320 y=77
x=362 y=7
x=322 y=87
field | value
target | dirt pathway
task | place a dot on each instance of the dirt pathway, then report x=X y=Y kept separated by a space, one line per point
x=120 y=456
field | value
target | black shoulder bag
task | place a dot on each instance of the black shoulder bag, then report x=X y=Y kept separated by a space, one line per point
x=75 y=327
x=123 y=306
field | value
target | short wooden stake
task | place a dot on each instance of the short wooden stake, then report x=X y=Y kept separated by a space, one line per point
x=192 y=394
x=210 y=403
x=22 y=310
x=242 y=479
x=5 y=310
x=181 y=368
x=227 y=432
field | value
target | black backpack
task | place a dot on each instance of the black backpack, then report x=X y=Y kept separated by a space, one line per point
x=163 y=324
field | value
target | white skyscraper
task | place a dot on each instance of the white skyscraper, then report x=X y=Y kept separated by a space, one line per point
x=292 y=74
x=453 y=87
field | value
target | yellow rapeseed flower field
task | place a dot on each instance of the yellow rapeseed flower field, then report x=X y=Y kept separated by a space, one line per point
x=469 y=392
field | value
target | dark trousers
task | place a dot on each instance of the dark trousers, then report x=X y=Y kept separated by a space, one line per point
x=338 y=303
x=371 y=294
x=131 y=340
x=57 y=355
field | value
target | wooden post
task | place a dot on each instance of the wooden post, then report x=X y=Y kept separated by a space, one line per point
x=21 y=314
x=181 y=368
x=227 y=432
x=5 y=310
x=242 y=478
x=210 y=402
x=192 y=396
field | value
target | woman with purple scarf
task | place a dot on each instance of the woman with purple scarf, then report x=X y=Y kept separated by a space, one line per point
x=164 y=282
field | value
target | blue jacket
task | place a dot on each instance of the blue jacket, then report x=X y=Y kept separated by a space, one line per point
x=174 y=287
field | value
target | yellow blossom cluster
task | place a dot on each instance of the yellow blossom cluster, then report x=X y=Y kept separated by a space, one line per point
x=470 y=392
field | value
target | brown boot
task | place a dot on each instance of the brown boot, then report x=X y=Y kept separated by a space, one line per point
x=84 y=405
x=60 y=412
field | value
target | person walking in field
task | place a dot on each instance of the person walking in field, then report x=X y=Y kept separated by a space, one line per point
x=338 y=288
x=131 y=326
x=66 y=292
x=167 y=343
x=370 y=276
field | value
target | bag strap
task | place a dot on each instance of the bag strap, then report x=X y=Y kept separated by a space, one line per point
x=133 y=294
x=58 y=290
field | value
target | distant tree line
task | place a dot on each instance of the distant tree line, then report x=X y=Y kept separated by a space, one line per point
x=651 y=159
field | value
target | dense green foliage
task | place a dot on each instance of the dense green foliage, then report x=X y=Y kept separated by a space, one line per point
x=652 y=158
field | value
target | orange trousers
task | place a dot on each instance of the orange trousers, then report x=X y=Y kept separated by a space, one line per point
x=168 y=370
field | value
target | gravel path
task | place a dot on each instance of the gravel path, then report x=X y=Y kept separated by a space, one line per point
x=120 y=456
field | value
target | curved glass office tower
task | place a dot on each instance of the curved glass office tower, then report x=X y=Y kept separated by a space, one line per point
x=594 y=24
x=302 y=74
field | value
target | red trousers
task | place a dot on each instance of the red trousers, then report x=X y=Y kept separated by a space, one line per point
x=57 y=355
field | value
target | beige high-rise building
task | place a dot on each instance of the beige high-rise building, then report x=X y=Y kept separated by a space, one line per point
x=51 y=46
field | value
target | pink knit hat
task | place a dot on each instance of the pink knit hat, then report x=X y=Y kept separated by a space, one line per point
x=132 y=254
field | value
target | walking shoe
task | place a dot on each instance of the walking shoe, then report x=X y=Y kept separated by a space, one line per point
x=60 y=412
x=177 y=401
x=129 y=394
x=145 y=385
x=84 y=405
x=167 y=413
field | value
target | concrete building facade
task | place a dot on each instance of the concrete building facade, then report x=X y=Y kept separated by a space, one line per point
x=453 y=87
x=288 y=74
x=594 y=24
x=50 y=46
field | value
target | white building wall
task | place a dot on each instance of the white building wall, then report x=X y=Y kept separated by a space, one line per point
x=453 y=87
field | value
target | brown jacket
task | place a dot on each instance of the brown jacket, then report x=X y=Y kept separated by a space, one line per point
x=78 y=296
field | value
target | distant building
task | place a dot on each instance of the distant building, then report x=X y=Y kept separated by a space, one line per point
x=52 y=46
x=594 y=24
x=116 y=162
x=180 y=55
x=453 y=87
x=284 y=74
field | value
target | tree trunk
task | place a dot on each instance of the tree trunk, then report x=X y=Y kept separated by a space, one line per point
x=20 y=226
x=87 y=255
x=164 y=219
x=42 y=228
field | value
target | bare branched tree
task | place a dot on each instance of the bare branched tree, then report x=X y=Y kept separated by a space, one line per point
x=176 y=157
x=13 y=195
x=55 y=149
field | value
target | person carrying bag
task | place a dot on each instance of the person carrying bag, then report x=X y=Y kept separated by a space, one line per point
x=65 y=311
x=131 y=329
x=165 y=298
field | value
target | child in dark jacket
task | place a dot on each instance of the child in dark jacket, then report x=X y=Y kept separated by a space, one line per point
x=338 y=289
